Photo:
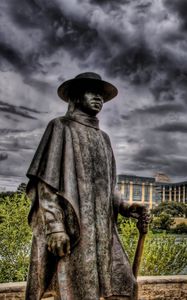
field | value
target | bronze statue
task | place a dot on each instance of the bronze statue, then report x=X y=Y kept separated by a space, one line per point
x=76 y=252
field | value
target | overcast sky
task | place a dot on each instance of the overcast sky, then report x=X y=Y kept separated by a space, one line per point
x=140 y=46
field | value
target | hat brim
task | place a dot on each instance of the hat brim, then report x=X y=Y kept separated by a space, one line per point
x=109 y=91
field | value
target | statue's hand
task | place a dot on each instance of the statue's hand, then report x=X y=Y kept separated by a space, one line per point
x=141 y=213
x=58 y=243
x=143 y=221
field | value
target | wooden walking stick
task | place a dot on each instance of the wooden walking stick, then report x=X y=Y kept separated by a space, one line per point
x=138 y=254
x=139 y=249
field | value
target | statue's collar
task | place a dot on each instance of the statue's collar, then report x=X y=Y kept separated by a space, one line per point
x=82 y=118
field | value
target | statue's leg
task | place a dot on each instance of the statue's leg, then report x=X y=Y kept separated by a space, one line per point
x=42 y=268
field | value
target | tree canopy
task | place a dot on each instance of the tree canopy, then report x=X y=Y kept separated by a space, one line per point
x=174 y=209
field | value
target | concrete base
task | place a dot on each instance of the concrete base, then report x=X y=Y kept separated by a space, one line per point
x=150 y=288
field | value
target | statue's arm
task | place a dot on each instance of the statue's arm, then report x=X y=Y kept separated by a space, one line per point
x=53 y=218
x=134 y=210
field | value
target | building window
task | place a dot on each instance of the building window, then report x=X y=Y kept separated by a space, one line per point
x=147 y=193
x=158 y=193
x=137 y=192
x=126 y=193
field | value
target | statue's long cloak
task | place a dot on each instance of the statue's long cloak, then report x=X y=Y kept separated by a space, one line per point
x=75 y=159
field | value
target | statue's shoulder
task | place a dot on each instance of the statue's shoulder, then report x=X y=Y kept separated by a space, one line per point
x=59 y=122
x=106 y=137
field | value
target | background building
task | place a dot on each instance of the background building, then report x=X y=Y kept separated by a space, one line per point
x=151 y=191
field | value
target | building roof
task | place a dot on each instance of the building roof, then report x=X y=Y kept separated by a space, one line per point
x=136 y=179
x=129 y=177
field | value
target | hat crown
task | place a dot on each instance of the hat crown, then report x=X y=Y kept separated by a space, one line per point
x=88 y=75
x=87 y=80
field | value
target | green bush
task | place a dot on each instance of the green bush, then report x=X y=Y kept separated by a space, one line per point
x=180 y=228
x=174 y=209
x=164 y=222
x=15 y=238
x=163 y=254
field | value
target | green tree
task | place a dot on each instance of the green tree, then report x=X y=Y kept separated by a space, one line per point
x=3 y=195
x=180 y=228
x=21 y=188
x=164 y=221
x=173 y=209
x=15 y=238
x=163 y=254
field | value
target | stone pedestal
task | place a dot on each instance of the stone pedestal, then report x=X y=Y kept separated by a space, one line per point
x=150 y=288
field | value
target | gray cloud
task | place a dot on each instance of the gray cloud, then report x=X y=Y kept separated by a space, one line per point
x=3 y=156
x=179 y=7
x=17 y=110
x=161 y=109
x=5 y=131
x=125 y=47
x=173 y=127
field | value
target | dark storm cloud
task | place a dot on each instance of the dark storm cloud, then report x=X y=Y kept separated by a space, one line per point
x=173 y=127
x=5 y=131
x=162 y=109
x=119 y=40
x=30 y=109
x=3 y=156
x=175 y=166
x=132 y=140
x=55 y=28
x=158 y=156
x=146 y=153
x=62 y=28
x=17 y=110
x=112 y=2
x=10 y=54
x=17 y=144
x=167 y=165
x=140 y=45
x=179 y=7
x=38 y=85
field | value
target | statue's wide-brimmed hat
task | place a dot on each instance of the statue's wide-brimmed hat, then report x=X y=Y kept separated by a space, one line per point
x=87 y=81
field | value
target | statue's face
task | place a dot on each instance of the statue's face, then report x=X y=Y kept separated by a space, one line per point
x=91 y=103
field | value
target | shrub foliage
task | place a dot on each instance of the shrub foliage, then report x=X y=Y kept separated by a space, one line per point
x=15 y=237
x=174 y=209
x=164 y=254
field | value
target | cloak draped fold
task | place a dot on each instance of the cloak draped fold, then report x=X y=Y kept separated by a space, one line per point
x=75 y=159
x=54 y=164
